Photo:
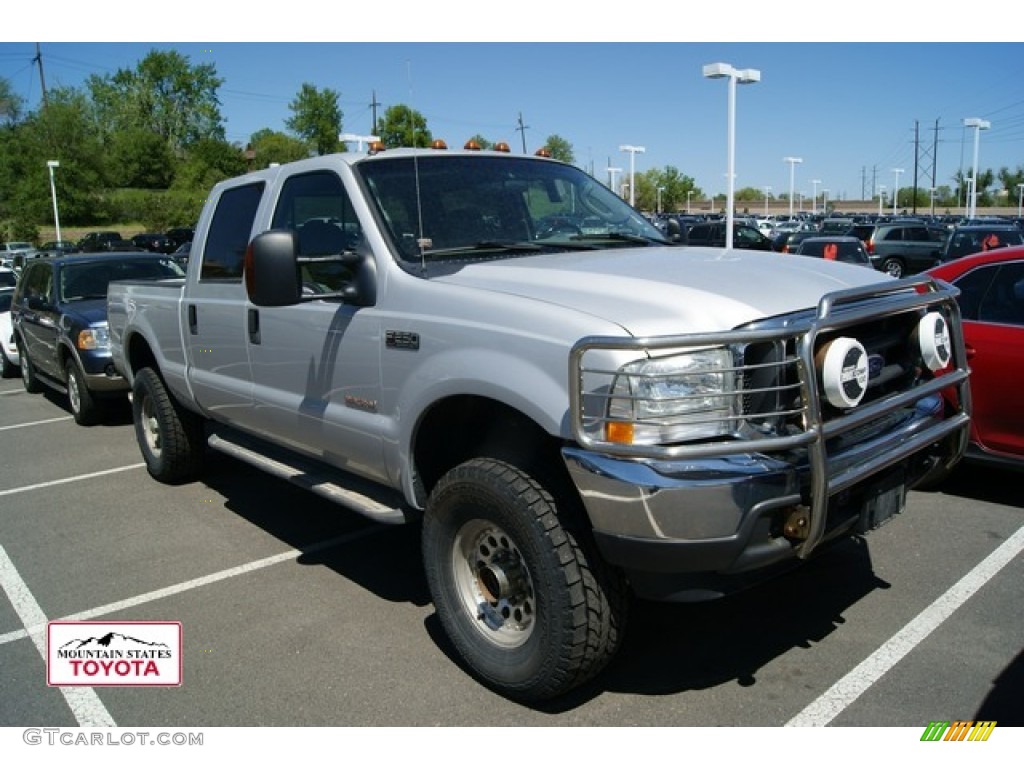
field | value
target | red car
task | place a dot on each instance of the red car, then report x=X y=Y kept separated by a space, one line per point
x=992 y=305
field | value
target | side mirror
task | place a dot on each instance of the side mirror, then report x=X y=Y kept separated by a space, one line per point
x=272 y=277
x=675 y=232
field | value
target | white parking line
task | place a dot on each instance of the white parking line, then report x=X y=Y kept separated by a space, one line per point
x=34 y=423
x=39 y=627
x=841 y=695
x=85 y=705
x=75 y=479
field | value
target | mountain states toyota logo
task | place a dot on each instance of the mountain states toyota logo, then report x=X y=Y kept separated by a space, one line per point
x=124 y=653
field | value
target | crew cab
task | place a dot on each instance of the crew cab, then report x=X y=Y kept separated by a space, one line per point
x=58 y=316
x=574 y=414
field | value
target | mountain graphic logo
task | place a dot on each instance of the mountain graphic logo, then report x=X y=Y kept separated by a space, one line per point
x=110 y=641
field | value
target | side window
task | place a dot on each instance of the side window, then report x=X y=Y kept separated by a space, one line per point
x=973 y=288
x=1004 y=301
x=893 y=234
x=224 y=251
x=39 y=283
x=917 y=234
x=316 y=206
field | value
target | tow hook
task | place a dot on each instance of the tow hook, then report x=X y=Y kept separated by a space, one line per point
x=797 y=524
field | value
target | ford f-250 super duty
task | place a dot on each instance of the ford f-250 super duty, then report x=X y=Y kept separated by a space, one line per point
x=499 y=348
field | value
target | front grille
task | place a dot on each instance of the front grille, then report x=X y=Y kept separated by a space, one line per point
x=774 y=397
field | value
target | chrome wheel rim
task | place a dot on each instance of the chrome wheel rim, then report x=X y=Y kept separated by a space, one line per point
x=150 y=425
x=493 y=584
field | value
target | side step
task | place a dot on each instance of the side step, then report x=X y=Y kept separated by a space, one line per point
x=380 y=504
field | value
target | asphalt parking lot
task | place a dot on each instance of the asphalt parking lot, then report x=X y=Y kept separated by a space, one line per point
x=297 y=613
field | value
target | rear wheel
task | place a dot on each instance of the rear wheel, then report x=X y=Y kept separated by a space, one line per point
x=528 y=607
x=9 y=369
x=170 y=437
x=28 y=372
x=893 y=266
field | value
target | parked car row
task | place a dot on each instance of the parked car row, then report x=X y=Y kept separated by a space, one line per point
x=58 y=318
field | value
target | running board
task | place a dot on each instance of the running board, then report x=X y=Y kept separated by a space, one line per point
x=358 y=495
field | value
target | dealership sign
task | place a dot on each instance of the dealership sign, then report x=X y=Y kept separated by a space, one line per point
x=128 y=653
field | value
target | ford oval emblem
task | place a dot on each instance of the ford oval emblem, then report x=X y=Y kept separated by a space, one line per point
x=875 y=365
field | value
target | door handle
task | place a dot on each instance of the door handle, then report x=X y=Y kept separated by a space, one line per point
x=254 y=325
x=193 y=320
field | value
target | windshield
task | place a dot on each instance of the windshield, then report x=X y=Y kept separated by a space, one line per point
x=451 y=207
x=89 y=279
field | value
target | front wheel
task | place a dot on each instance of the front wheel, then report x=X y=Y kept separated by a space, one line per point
x=170 y=437
x=526 y=604
x=83 y=405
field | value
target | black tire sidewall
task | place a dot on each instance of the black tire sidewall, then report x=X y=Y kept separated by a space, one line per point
x=85 y=414
x=180 y=434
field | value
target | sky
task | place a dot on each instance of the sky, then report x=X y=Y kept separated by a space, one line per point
x=849 y=110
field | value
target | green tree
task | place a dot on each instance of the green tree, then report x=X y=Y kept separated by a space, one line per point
x=1010 y=181
x=208 y=162
x=64 y=131
x=140 y=158
x=674 y=186
x=316 y=117
x=275 y=147
x=11 y=104
x=404 y=127
x=164 y=94
x=560 y=148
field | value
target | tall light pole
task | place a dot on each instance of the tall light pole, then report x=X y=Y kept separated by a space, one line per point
x=896 y=189
x=632 y=149
x=881 y=196
x=767 y=192
x=824 y=202
x=814 y=195
x=660 y=190
x=1020 y=199
x=51 y=164
x=792 y=175
x=689 y=194
x=611 y=179
x=743 y=77
x=978 y=125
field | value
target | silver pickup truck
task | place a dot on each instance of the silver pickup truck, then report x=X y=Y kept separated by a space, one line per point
x=499 y=349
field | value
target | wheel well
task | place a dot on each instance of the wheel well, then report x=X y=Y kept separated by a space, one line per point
x=138 y=355
x=460 y=428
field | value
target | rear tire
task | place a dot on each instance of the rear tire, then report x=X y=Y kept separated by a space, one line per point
x=528 y=607
x=171 y=438
x=10 y=370
x=28 y=372
x=893 y=267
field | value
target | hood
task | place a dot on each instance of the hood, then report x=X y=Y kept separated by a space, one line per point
x=655 y=291
x=86 y=312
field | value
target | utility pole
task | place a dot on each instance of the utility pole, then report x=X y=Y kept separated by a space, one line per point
x=373 y=106
x=42 y=80
x=522 y=129
x=917 y=147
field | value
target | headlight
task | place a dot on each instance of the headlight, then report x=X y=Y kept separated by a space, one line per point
x=673 y=399
x=97 y=337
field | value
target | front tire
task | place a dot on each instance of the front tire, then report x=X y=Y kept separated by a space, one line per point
x=519 y=594
x=10 y=370
x=83 y=405
x=170 y=437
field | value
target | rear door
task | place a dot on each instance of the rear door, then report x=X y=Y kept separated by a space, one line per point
x=38 y=316
x=213 y=315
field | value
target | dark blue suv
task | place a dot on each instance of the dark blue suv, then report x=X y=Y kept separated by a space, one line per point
x=59 y=318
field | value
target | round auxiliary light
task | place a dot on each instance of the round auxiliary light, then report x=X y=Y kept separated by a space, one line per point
x=843 y=367
x=472 y=145
x=438 y=144
x=933 y=339
x=502 y=146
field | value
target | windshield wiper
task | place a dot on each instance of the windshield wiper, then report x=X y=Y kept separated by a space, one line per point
x=485 y=246
x=621 y=236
